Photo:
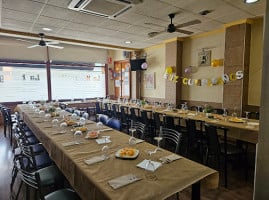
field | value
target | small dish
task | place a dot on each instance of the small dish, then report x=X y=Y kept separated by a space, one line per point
x=91 y=135
x=127 y=153
x=236 y=120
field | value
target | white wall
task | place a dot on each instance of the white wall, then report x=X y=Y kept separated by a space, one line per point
x=215 y=42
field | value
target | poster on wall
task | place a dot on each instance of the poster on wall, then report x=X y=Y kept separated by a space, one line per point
x=204 y=58
x=149 y=80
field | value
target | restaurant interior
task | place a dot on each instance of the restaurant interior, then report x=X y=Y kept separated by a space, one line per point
x=134 y=99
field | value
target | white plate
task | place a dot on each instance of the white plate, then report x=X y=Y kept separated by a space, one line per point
x=136 y=153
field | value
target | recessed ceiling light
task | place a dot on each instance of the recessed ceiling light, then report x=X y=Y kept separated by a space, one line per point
x=250 y=1
x=128 y=42
x=46 y=29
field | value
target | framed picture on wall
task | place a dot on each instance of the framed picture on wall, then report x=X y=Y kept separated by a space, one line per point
x=204 y=58
x=149 y=80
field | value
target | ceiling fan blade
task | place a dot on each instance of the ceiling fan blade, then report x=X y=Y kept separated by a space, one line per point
x=53 y=46
x=52 y=42
x=196 y=21
x=36 y=45
x=184 y=31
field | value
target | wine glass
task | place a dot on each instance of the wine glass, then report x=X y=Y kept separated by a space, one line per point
x=47 y=117
x=74 y=116
x=77 y=137
x=62 y=113
x=54 y=123
x=82 y=121
x=150 y=167
x=63 y=125
x=105 y=150
x=159 y=139
x=41 y=113
x=225 y=114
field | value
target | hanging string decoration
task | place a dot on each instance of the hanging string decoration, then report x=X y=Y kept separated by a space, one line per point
x=225 y=78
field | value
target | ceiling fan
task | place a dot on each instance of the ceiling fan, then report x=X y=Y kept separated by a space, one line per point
x=43 y=43
x=171 y=28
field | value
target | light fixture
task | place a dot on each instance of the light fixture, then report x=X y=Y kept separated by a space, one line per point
x=128 y=42
x=46 y=29
x=250 y=1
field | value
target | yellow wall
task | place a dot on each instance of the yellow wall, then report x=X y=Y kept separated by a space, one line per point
x=156 y=64
x=255 y=67
x=215 y=42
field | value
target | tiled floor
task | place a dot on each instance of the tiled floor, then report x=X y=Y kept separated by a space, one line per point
x=238 y=188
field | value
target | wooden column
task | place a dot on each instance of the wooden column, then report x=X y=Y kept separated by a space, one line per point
x=173 y=57
x=261 y=191
x=236 y=57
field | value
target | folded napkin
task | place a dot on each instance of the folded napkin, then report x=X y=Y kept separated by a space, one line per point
x=170 y=158
x=144 y=164
x=95 y=159
x=103 y=141
x=106 y=129
x=191 y=114
x=137 y=141
x=123 y=180
x=66 y=144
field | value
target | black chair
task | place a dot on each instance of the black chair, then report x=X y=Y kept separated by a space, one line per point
x=135 y=114
x=196 y=141
x=216 y=149
x=169 y=122
x=157 y=122
x=252 y=115
x=46 y=179
x=115 y=111
x=107 y=109
x=140 y=129
x=98 y=108
x=146 y=118
x=125 y=118
x=114 y=123
x=171 y=139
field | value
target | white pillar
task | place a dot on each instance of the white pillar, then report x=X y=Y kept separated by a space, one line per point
x=261 y=185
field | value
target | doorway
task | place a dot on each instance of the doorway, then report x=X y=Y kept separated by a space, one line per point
x=122 y=79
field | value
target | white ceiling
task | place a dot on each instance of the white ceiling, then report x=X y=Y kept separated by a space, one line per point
x=30 y=16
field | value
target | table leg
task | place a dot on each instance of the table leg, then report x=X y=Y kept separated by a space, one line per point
x=225 y=158
x=196 y=191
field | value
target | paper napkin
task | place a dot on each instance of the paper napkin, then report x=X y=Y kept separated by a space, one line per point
x=123 y=180
x=95 y=159
x=153 y=167
x=170 y=158
x=103 y=141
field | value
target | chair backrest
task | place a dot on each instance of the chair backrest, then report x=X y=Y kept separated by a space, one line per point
x=114 y=123
x=103 y=118
x=135 y=114
x=191 y=131
x=140 y=128
x=124 y=110
x=157 y=120
x=213 y=145
x=172 y=136
x=168 y=122
x=98 y=108
x=146 y=116
x=115 y=110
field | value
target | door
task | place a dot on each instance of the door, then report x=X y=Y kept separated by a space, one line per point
x=122 y=79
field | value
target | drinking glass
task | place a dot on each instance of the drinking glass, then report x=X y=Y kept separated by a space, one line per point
x=74 y=116
x=247 y=116
x=62 y=113
x=77 y=137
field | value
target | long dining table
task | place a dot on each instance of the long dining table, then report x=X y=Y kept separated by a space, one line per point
x=91 y=181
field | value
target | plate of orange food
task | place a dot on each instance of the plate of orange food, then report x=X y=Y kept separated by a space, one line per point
x=236 y=120
x=127 y=153
x=91 y=135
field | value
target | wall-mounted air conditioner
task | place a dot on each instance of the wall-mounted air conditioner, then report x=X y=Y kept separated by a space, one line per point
x=103 y=8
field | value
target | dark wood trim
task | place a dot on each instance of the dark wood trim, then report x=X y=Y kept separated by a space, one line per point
x=48 y=75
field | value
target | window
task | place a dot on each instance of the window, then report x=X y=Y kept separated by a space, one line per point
x=22 y=81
